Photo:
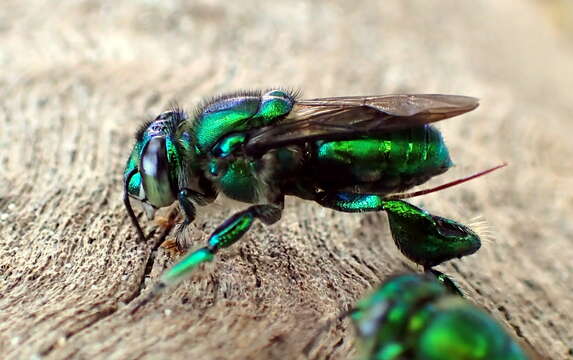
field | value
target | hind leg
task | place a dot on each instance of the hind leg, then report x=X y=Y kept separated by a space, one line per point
x=424 y=238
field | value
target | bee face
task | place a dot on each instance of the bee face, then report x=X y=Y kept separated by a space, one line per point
x=146 y=176
x=152 y=165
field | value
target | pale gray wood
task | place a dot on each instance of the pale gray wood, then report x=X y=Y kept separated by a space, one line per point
x=78 y=77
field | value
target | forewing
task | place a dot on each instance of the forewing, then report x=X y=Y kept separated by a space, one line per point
x=354 y=116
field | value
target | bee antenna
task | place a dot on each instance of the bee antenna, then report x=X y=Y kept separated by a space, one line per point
x=128 y=204
x=443 y=186
x=323 y=328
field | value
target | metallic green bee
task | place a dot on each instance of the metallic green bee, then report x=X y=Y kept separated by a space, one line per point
x=415 y=317
x=352 y=154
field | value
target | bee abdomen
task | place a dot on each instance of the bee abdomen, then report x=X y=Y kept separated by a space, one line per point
x=387 y=162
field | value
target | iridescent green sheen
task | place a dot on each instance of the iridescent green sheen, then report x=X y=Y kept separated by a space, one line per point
x=228 y=144
x=281 y=94
x=157 y=157
x=228 y=115
x=414 y=317
x=274 y=105
x=390 y=155
x=424 y=238
x=185 y=265
x=427 y=239
x=134 y=184
x=357 y=203
x=173 y=158
x=390 y=352
x=238 y=181
x=239 y=113
x=133 y=163
x=465 y=332
x=446 y=282
x=395 y=300
x=368 y=317
x=231 y=231
x=343 y=152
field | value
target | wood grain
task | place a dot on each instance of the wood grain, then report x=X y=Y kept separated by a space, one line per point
x=79 y=76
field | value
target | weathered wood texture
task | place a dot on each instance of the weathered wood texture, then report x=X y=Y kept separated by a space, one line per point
x=79 y=76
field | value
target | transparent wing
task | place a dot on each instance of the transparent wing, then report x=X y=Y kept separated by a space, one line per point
x=354 y=116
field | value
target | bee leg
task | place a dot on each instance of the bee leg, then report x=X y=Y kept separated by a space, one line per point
x=350 y=202
x=224 y=236
x=445 y=280
x=424 y=238
x=185 y=196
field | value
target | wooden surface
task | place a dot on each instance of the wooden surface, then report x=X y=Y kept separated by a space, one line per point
x=78 y=77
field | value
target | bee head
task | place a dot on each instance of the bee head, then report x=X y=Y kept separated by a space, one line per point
x=150 y=174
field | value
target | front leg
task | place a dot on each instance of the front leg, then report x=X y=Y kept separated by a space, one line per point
x=187 y=198
x=226 y=234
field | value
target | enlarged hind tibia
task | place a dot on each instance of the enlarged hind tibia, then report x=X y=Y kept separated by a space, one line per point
x=426 y=239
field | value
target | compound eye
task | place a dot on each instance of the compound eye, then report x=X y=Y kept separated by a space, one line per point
x=154 y=169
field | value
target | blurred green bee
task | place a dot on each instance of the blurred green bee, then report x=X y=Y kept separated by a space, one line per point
x=414 y=317
x=352 y=154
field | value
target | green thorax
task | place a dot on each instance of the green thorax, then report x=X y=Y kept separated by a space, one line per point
x=238 y=112
x=249 y=179
x=236 y=178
